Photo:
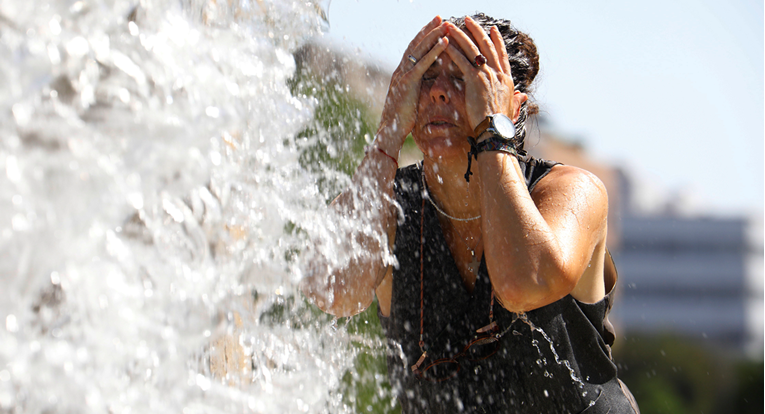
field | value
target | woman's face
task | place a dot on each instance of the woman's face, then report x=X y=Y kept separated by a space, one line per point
x=442 y=126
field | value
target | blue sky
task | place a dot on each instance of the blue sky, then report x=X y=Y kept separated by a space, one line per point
x=673 y=91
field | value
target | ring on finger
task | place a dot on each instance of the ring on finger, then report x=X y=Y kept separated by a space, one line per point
x=479 y=60
x=412 y=59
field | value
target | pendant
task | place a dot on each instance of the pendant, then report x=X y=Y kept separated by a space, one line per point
x=487 y=328
x=474 y=263
x=419 y=361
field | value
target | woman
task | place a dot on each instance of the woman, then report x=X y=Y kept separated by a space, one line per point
x=498 y=297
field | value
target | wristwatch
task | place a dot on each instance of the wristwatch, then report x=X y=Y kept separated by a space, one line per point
x=499 y=125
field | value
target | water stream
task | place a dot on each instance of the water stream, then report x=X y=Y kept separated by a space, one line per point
x=152 y=205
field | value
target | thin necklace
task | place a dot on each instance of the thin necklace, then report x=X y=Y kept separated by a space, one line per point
x=427 y=195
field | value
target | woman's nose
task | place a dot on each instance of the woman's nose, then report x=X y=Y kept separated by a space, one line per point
x=440 y=91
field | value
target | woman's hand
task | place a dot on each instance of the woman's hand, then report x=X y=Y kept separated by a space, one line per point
x=400 y=109
x=489 y=87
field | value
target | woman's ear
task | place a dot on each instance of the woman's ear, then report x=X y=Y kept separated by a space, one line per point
x=518 y=99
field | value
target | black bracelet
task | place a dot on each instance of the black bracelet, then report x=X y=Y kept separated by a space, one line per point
x=493 y=143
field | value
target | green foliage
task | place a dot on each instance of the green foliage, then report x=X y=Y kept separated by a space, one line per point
x=334 y=139
x=746 y=396
x=366 y=387
x=675 y=376
x=409 y=147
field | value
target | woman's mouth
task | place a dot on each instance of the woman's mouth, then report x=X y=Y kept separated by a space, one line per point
x=438 y=124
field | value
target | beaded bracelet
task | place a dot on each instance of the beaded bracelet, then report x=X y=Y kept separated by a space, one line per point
x=493 y=143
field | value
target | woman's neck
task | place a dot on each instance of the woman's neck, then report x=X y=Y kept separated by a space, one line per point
x=445 y=180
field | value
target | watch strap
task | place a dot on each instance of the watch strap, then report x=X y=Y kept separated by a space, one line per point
x=483 y=126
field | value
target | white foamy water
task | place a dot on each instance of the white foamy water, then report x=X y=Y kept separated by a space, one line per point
x=149 y=179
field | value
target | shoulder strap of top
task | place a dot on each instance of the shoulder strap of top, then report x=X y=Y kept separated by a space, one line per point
x=406 y=186
x=409 y=173
x=611 y=276
x=534 y=169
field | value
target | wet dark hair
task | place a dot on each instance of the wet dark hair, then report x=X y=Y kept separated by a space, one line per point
x=524 y=63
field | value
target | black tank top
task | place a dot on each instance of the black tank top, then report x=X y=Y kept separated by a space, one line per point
x=555 y=360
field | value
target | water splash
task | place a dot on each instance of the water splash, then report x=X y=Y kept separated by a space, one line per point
x=150 y=179
x=543 y=361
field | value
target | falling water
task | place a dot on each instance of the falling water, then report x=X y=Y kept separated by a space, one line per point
x=153 y=209
x=542 y=361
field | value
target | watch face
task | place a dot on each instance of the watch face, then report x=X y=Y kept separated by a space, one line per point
x=504 y=126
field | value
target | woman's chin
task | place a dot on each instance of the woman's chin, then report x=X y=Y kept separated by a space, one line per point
x=444 y=147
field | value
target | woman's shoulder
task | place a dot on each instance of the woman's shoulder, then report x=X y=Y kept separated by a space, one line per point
x=570 y=178
x=567 y=189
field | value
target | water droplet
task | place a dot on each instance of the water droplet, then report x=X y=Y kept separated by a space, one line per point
x=133 y=28
x=203 y=382
x=11 y=324
x=212 y=111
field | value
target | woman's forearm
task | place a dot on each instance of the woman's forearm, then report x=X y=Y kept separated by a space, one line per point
x=368 y=204
x=537 y=249
x=365 y=214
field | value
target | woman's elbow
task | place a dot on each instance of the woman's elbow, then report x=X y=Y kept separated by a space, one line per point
x=534 y=291
x=336 y=300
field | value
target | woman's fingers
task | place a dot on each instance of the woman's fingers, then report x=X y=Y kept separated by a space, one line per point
x=439 y=46
x=485 y=45
x=458 y=58
x=487 y=91
x=425 y=31
x=468 y=48
x=499 y=46
x=479 y=93
x=400 y=108
x=426 y=43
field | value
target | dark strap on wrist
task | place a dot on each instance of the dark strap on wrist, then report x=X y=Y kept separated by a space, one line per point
x=493 y=143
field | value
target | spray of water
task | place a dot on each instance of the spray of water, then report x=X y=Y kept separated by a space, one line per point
x=542 y=361
x=153 y=208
